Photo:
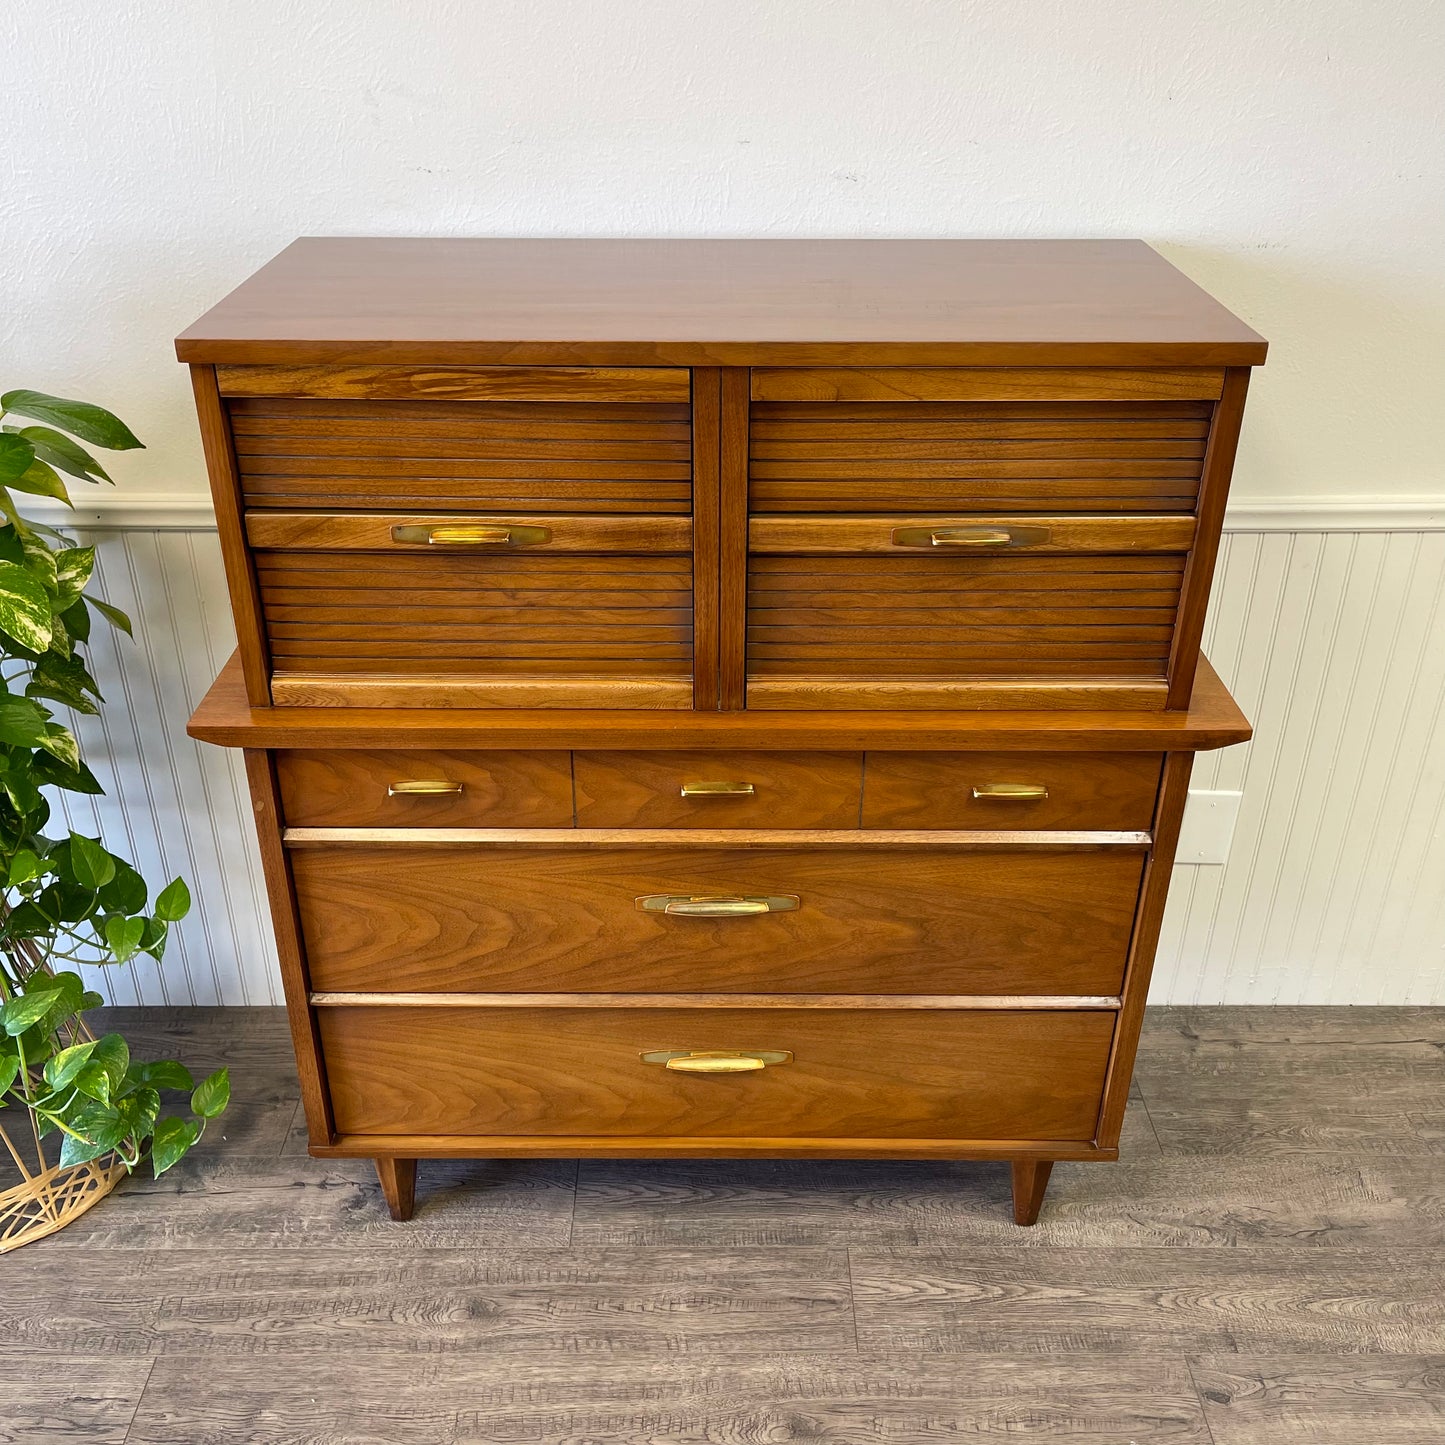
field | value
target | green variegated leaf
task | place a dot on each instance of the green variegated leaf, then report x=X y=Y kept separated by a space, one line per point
x=113 y=1055
x=172 y=1138
x=92 y=865
x=60 y=743
x=61 y=452
x=16 y=455
x=40 y=479
x=73 y=566
x=90 y=423
x=112 y=615
x=123 y=936
x=212 y=1095
x=24 y=607
x=24 y=1009
x=23 y=867
x=22 y=721
x=64 y=680
x=173 y=902
x=61 y=1068
x=162 y=1074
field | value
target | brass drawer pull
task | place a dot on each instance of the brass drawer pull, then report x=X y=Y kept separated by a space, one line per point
x=969 y=536
x=717 y=790
x=1013 y=792
x=469 y=534
x=422 y=788
x=717 y=1061
x=724 y=905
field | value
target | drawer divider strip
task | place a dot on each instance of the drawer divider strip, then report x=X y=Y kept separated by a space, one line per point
x=1050 y=1002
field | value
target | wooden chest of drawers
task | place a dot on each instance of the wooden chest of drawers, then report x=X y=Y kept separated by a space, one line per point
x=718 y=698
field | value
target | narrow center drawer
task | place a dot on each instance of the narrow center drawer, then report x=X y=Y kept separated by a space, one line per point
x=852 y=1073
x=413 y=788
x=717 y=790
x=835 y=918
x=1113 y=791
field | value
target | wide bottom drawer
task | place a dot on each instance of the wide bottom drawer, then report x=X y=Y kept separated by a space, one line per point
x=850 y=1072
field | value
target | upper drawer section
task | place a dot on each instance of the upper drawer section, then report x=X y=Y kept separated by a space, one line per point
x=944 y=439
x=542 y=438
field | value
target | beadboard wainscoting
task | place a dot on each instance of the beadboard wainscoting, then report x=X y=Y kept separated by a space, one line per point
x=1328 y=626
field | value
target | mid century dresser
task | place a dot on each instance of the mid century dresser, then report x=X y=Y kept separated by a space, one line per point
x=718 y=698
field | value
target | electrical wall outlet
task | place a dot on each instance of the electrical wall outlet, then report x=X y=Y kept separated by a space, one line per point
x=1208 y=826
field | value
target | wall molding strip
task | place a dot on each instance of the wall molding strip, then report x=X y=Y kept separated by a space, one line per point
x=107 y=510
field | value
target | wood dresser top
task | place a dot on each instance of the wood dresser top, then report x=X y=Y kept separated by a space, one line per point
x=720 y=302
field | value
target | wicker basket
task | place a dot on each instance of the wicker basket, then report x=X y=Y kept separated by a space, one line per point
x=48 y=1196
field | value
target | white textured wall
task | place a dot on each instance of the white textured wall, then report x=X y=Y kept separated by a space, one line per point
x=1289 y=155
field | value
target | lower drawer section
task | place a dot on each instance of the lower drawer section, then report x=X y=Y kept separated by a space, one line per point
x=853 y=1072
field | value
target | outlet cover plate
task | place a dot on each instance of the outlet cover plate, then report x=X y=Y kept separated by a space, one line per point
x=1208 y=827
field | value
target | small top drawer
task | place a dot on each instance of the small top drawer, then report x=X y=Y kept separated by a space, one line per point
x=1092 y=791
x=717 y=790
x=418 y=789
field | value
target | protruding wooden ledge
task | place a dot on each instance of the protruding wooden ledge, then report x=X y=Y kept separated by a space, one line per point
x=1213 y=720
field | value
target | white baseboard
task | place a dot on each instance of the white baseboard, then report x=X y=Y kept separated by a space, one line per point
x=1336 y=514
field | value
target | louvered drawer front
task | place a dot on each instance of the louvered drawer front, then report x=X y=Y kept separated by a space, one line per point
x=922 y=604
x=848 y=1073
x=809 y=919
x=437 y=610
x=483 y=438
x=1018 y=456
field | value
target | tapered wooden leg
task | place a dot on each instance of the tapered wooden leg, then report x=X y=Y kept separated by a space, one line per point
x=398 y=1184
x=1031 y=1178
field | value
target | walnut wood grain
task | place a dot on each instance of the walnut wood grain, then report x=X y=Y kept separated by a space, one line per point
x=339 y=455
x=1015 y=383
x=821 y=694
x=845 y=536
x=452 y=383
x=976 y=456
x=1154 y=893
x=301 y=689
x=956 y=1074
x=903 y=920
x=733 y=543
x=295 y=977
x=241 y=581
x=398 y=1185
x=644 y=789
x=1030 y=1183
x=929 y=790
x=1213 y=720
x=706 y=538
x=437 y=301
x=1214 y=493
x=498 y=789
x=348 y=532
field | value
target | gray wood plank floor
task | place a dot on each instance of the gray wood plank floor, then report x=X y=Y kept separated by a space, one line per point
x=1265 y=1266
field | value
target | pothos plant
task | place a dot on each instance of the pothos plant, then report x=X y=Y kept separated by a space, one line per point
x=68 y=900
